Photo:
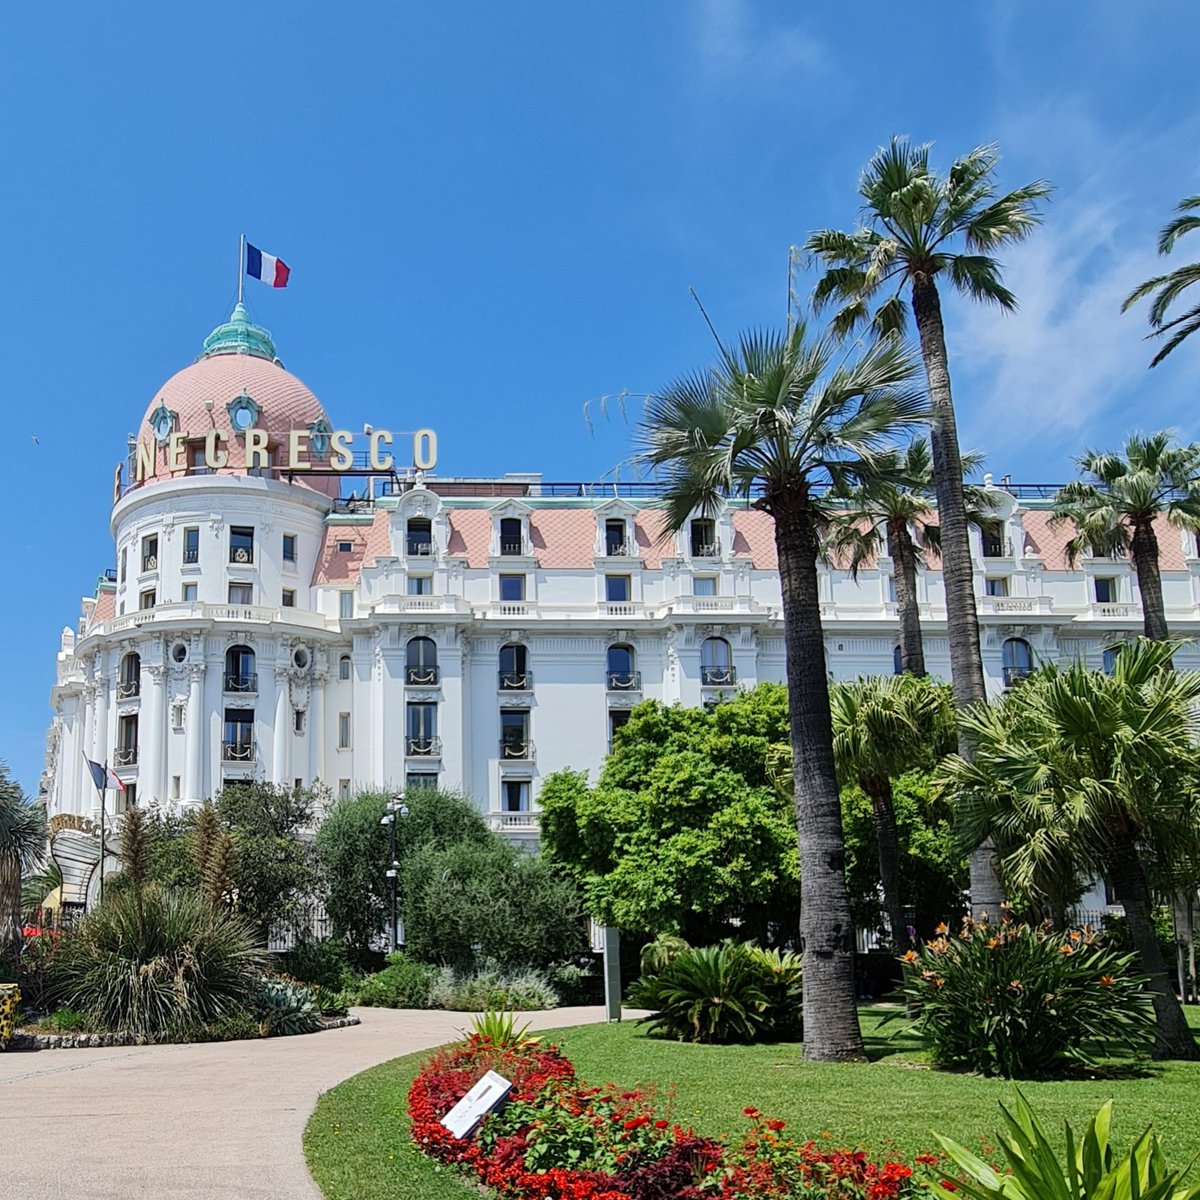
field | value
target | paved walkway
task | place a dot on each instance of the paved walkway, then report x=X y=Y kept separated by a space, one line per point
x=219 y=1121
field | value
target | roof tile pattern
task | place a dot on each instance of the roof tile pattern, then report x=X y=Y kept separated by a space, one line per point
x=1049 y=539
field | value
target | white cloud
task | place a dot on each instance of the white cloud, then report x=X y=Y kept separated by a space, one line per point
x=733 y=44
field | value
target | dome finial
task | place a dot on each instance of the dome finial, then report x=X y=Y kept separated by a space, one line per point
x=239 y=335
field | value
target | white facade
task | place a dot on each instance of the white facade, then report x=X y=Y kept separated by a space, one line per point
x=479 y=634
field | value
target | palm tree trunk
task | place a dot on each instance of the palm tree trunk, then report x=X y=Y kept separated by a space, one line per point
x=1128 y=877
x=1144 y=547
x=879 y=790
x=904 y=555
x=10 y=907
x=958 y=572
x=831 y=1030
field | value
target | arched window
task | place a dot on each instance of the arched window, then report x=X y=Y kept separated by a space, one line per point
x=622 y=676
x=1017 y=659
x=514 y=668
x=129 y=680
x=716 y=663
x=897 y=661
x=421 y=661
x=1110 y=659
x=344 y=667
x=512 y=540
x=239 y=670
x=419 y=537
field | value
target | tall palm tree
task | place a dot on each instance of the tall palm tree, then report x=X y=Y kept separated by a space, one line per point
x=780 y=420
x=1108 y=765
x=901 y=500
x=1173 y=284
x=913 y=220
x=1113 y=512
x=22 y=844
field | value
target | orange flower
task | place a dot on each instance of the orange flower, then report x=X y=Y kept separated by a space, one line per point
x=1016 y=986
x=1075 y=935
x=1107 y=981
x=1065 y=949
x=938 y=981
x=910 y=956
x=942 y=928
x=992 y=943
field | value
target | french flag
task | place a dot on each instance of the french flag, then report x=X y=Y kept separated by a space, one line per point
x=104 y=777
x=271 y=270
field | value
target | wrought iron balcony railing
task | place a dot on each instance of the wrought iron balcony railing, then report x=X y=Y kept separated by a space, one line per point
x=516 y=681
x=423 y=747
x=237 y=751
x=128 y=688
x=717 y=676
x=518 y=748
x=125 y=756
x=421 y=676
x=624 y=681
x=243 y=684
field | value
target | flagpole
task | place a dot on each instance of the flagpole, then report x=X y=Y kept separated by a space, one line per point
x=101 y=790
x=241 y=264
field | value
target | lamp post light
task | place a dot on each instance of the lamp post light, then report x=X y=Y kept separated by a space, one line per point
x=395 y=808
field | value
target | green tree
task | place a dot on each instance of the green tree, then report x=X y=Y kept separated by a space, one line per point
x=22 y=846
x=1171 y=286
x=1114 y=511
x=1108 y=765
x=914 y=220
x=779 y=419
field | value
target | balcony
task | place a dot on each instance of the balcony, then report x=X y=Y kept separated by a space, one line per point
x=1122 y=612
x=514 y=549
x=149 y=563
x=514 y=822
x=239 y=751
x=620 y=608
x=718 y=676
x=125 y=756
x=706 y=549
x=189 y=612
x=1031 y=605
x=419 y=548
x=624 y=681
x=511 y=608
x=423 y=747
x=621 y=550
x=421 y=676
x=519 y=749
x=127 y=689
x=1014 y=675
x=191 y=555
x=242 y=685
x=242 y=556
x=994 y=547
x=516 y=681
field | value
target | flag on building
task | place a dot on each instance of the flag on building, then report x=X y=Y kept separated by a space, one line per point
x=271 y=270
x=105 y=778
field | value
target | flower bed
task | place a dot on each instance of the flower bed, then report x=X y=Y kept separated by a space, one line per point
x=560 y=1139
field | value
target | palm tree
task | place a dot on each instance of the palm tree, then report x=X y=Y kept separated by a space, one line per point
x=1114 y=512
x=778 y=420
x=1170 y=286
x=1078 y=766
x=901 y=500
x=913 y=219
x=22 y=844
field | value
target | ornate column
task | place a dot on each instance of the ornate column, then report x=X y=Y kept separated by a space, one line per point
x=279 y=773
x=100 y=752
x=316 y=728
x=89 y=800
x=193 y=762
x=150 y=736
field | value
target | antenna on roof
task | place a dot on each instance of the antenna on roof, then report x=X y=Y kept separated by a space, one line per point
x=707 y=322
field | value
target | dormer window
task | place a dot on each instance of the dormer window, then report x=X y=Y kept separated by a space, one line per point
x=162 y=422
x=615 y=538
x=512 y=541
x=704 y=538
x=345 y=547
x=419 y=537
x=244 y=412
x=992 y=535
x=319 y=433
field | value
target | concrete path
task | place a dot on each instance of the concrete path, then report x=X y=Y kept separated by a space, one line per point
x=219 y=1121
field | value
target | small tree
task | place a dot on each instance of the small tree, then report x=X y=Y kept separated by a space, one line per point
x=1171 y=286
x=22 y=845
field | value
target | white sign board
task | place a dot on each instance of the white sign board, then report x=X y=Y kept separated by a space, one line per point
x=476 y=1104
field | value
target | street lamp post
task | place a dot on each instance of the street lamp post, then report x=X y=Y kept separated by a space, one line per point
x=395 y=808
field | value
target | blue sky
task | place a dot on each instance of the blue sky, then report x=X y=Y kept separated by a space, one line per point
x=493 y=213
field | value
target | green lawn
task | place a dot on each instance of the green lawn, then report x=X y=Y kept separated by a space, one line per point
x=358 y=1149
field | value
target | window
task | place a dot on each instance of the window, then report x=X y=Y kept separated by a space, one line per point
x=241 y=544
x=514 y=672
x=345 y=547
x=516 y=795
x=621 y=674
x=150 y=553
x=189 y=593
x=289 y=548
x=1109 y=661
x=897 y=661
x=991 y=534
x=177 y=710
x=343 y=731
x=344 y=667
x=716 y=663
x=618 y=718
x=891 y=581
x=174 y=787
x=191 y=545
x=420 y=585
x=614 y=537
x=1106 y=589
x=512 y=588
x=241 y=593
x=704 y=585
x=345 y=605
x=514 y=733
x=126 y=754
x=297 y=784
x=124 y=561
x=239 y=735
x=414 y=781
x=131 y=795
x=511 y=539
x=422 y=729
x=617 y=589
x=196 y=463
x=240 y=673
x=147 y=599
x=298 y=720
x=419 y=537
x=129 y=676
x=343 y=789
x=995 y=586
x=1017 y=659
x=288 y=599
x=421 y=662
x=704 y=539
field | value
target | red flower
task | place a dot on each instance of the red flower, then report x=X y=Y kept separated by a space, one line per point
x=775 y=1125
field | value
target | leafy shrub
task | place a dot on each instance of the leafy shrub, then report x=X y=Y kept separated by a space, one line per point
x=1091 y=1170
x=726 y=993
x=492 y=988
x=285 y=1007
x=331 y=1001
x=236 y=1025
x=34 y=969
x=1025 y=1002
x=403 y=983
x=657 y=955
x=1114 y=933
x=500 y=1029
x=66 y=1020
x=151 y=963
x=323 y=964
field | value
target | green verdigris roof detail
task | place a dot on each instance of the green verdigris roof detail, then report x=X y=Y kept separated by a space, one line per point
x=239 y=335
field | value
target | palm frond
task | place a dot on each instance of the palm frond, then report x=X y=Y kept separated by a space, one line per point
x=979 y=277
